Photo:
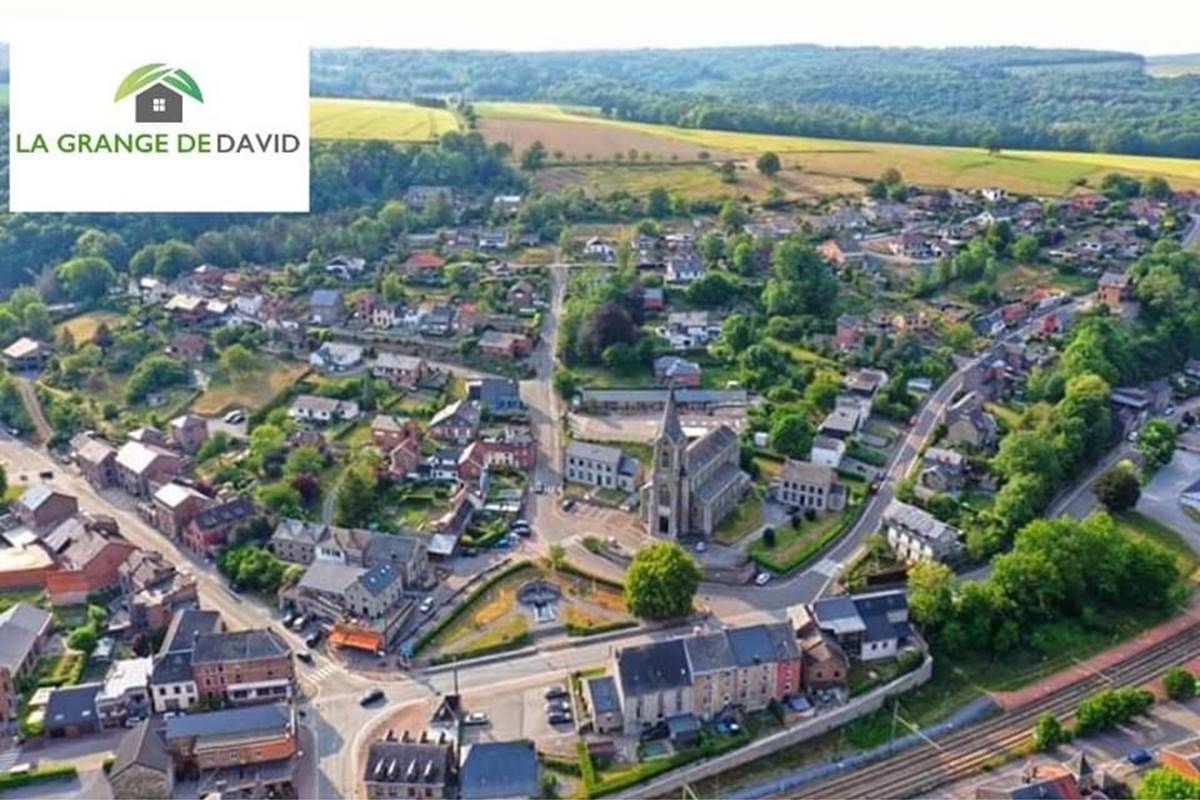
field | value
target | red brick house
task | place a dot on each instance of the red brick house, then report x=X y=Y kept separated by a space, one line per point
x=189 y=347
x=243 y=667
x=97 y=461
x=214 y=527
x=89 y=557
x=188 y=432
x=422 y=263
x=387 y=431
x=495 y=344
x=141 y=467
x=849 y=331
x=42 y=508
x=1113 y=290
x=174 y=506
x=510 y=449
x=400 y=369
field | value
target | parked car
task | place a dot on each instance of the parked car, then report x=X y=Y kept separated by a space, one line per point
x=235 y=417
x=313 y=639
x=556 y=691
x=426 y=605
x=524 y=533
x=476 y=718
x=762 y=579
x=1139 y=757
x=568 y=504
x=305 y=656
x=371 y=696
x=539 y=487
x=45 y=474
x=470 y=552
x=560 y=718
x=299 y=622
x=557 y=706
x=701 y=546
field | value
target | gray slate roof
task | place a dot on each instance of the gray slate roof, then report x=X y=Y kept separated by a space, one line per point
x=143 y=746
x=244 y=645
x=411 y=762
x=654 y=667
x=499 y=770
x=230 y=722
x=75 y=705
x=20 y=626
x=603 y=694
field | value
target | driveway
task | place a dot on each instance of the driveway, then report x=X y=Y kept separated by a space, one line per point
x=1160 y=497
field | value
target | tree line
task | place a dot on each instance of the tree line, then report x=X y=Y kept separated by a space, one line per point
x=987 y=97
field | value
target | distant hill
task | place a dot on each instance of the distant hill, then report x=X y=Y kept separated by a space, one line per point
x=1006 y=96
x=1173 y=66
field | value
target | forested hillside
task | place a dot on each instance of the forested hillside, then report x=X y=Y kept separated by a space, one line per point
x=1007 y=97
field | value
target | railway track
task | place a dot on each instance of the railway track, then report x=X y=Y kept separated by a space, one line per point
x=918 y=770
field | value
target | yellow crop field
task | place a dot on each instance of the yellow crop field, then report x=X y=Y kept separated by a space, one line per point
x=579 y=134
x=340 y=118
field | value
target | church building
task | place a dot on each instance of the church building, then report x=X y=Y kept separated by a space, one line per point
x=694 y=484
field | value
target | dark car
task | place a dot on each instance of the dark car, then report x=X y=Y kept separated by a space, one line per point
x=305 y=656
x=372 y=696
x=558 y=707
x=560 y=718
x=1139 y=757
x=555 y=692
x=568 y=504
x=313 y=639
x=46 y=475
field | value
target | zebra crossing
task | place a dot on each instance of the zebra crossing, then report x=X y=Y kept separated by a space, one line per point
x=9 y=759
x=828 y=567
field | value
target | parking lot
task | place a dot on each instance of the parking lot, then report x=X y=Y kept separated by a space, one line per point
x=1160 y=497
x=521 y=715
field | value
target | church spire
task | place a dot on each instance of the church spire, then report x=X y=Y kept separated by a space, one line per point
x=671 y=429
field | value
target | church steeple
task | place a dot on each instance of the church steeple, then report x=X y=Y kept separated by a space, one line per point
x=670 y=427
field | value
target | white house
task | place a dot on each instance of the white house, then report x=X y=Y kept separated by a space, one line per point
x=313 y=408
x=916 y=535
x=248 y=305
x=827 y=451
x=602 y=249
x=690 y=330
x=336 y=357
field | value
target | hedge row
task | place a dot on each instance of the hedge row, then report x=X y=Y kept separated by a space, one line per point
x=461 y=608
x=606 y=627
x=524 y=640
x=9 y=780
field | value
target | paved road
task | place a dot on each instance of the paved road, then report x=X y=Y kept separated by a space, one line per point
x=1191 y=237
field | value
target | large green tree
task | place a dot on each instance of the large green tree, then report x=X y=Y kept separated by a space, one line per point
x=661 y=582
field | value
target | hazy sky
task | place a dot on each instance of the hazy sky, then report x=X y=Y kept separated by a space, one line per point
x=1153 y=27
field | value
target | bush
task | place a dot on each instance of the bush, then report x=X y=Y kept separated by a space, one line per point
x=1048 y=733
x=1179 y=684
x=1110 y=708
x=604 y=627
x=9 y=781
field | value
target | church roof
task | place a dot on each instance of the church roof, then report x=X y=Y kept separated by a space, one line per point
x=671 y=428
x=709 y=447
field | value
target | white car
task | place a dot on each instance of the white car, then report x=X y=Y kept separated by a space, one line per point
x=426 y=605
x=762 y=579
x=475 y=718
x=236 y=416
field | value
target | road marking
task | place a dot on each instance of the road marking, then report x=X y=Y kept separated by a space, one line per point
x=828 y=567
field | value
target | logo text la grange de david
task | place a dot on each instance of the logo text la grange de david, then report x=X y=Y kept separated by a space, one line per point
x=158 y=98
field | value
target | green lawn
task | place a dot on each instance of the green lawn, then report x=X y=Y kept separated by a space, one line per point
x=1137 y=524
x=745 y=518
x=252 y=392
x=794 y=546
x=1006 y=414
